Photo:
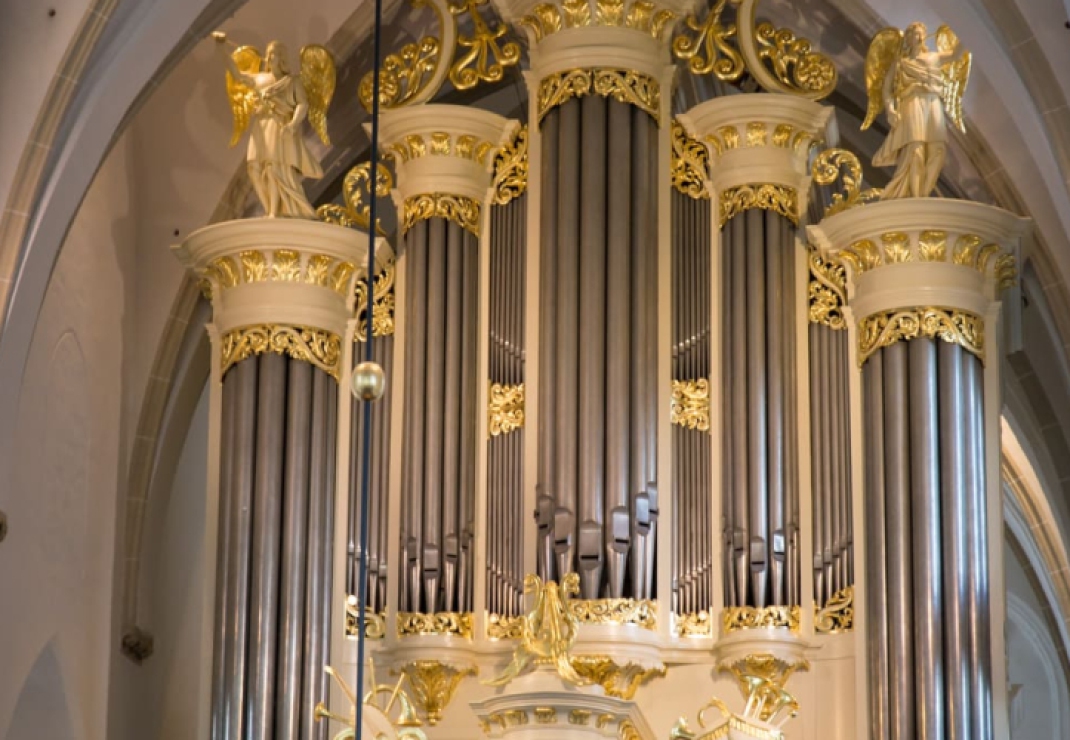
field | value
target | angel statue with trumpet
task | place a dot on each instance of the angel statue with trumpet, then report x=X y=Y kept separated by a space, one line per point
x=917 y=88
x=270 y=101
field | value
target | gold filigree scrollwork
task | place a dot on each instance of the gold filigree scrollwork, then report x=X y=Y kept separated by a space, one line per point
x=382 y=304
x=735 y=618
x=503 y=627
x=710 y=50
x=626 y=86
x=314 y=346
x=414 y=73
x=639 y=612
x=356 y=191
x=505 y=408
x=769 y=196
x=511 y=169
x=762 y=678
x=840 y=163
x=457 y=624
x=433 y=684
x=862 y=255
x=827 y=292
x=486 y=58
x=619 y=681
x=457 y=208
x=642 y=15
x=690 y=164
x=837 y=615
x=779 y=60
x=696 y=624
x=955 y=327
x=374 y=623
x=691 y=404
x=1006 y=271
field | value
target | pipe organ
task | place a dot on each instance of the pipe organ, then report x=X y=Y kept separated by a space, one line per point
x=639 y=368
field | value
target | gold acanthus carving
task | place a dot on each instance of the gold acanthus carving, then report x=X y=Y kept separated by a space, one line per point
x=486 y=58
x=840 y=163
x=639 y=15
x=383 y=302
x=690 y=164
x=888 y=327
x=768 y=196
x=433 y=684
x=374 y=623
x=505 y=408
x=762 y=678
x=753 y=134
x=314 y=346
x=695 y=624
x=463 y=211
x=638 y=612
x=932 y=245
x=504 y=627
x=278 y=265
x=827 y=291
x=456 y=624
x=442 y=144
x=691 y=404
x=778 y=60
x=511 y=169
x=838 y=613
x=619 y=681
x=735 y=618
x=356 y=192
x=626 y=86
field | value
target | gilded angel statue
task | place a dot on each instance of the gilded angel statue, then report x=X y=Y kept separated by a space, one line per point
x=270 y=101
x=917 y=88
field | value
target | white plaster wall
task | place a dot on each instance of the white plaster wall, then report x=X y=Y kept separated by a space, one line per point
x=57 y=564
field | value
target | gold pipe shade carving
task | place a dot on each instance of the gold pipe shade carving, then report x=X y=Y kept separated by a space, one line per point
x=827 y=291
x=735 y=618
x=315 y=346
x=696 y=624
x=383 y=300
x=455 y=624
x=505 y=408
x=433 y=684
x=888 y=327
x=837 y=615
x=638 y=612
x=626 y=86
x=691 y=404
x=374 y=623
x=511 y=169
x=504 y=627
x=690 y=164
x=276 y=266
x=768 y=196
x=644 y=16
x=463 y=211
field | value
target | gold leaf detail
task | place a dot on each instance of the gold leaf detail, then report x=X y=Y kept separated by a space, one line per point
x=1006 y=271
x=317 y=272
x=838 y=613
x=383 y=302
x=691 y=404
x=626 y=86
x=932 y=246
x=834 y=163
x=827 y=292
x=698 y=624
x=458 y=624
x=486 y=58
x=356 y=190
x=757 y=134
x=735 y=618
x=794 y=63
x=987 y=252
x=407 y=76
x=771 y=197
x=641 y=613
x=315 y=346
x=511 y=169
x=618 y=681
x=710 y=50
x=223 y=271
x=782 y=135
x=433 y=684
x=505 y=408
x=965 y=252
x=254 y=266
x=862 y=255
x=503 y=627
x=888 y=327
x=285 y=265
x=896 y=247
x=690 y=164
x=762 y=678
x=730 y=136
x=374 y=623
x=463 y=211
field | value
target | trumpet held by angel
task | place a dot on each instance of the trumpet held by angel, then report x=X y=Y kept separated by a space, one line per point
x=919 y=89
x=272 y=103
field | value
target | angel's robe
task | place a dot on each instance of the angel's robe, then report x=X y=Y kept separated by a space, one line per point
x=917 y=87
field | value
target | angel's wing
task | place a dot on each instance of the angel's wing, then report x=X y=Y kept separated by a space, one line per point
x=318 y=76
x=242 y=97
x=882 y=52
x=956 y=75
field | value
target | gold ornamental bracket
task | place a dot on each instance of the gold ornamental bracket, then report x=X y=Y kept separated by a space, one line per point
x=838 y=613
x=383 y=303
x=690 y=164
x=777 y=59
x=827 y=291
x=357 y=195
x=511 y=169
x=433 y=684
x=833 y=164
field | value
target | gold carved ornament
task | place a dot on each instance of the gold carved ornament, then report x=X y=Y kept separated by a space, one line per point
x=356 y=192
x=642 y=15
x=374 y=622
x=383 y=300
x=691 y=404
x=638 y=612
x=485 y=59
x=840 y=163
x=625 y=86
x=278 y=265
x=762 y=678
x=406 y=723
x=888 y=327
x=314 y=346
x=690 y=164
x=827 y=291
x=776 y=58
x=736 y=618
x=837 y=615
x=511 y=169
x=695 y=624
x=463 y=211
x=505 y=408
x=618 y=681
x=768 y=196
x=433 y=684
x=504 y=627
x=457 y=624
